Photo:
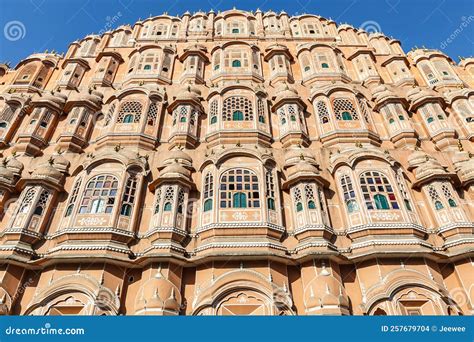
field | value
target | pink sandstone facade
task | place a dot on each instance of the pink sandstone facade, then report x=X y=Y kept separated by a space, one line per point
x=237 y=163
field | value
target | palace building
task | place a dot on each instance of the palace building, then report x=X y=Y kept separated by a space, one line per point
x=237 y=163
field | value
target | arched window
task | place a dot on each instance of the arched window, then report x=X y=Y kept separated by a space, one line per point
x=309 y=195
x=38 y=211
x=152 y=114
x=271 y=204
x=297 y=198
x=349 y=194
x=261 y=111
x=434 y=196
x=157 y=201
x=448 y=195
x=41 y=203
x=239 y=186
x=73 y=198
x=236 y=64
x=167 y=206
x=403 y=190
x=237 y=108
x=324 y=66
x=270 y=190
x=377 y=191
x=213 y=108
x=132 y=110
x=208 y=205
x=430 y=119
x=344 y=109
x=126 y=210
x=180 y=204
x=99 y=195
x=323 y=112
x=129 y=194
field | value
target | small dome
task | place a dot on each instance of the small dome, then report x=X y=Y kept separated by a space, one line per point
x=325 y=290
x=302 y=168
x=177 y=155
x=175 y=169
x=295 y=155
x=6 y=174
x=417 y=158
x=286 y=92
x=158 y=293
x=15 y=165
x=413 y=92
x=189 y=93
x=61 y=163
x=47 y=171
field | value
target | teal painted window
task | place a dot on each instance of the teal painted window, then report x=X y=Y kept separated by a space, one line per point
x=299 y=206
x=352 y=206
x=346 y=116
x=452 y=203
x=237 y=116
x=239 y=200
x=381 y=202
x=167 y=206
x=236 y=64
x=207 y=205
x=271 y=204
x=126 y=210
x=128 y=118
x=438 y=205
x=311 y=205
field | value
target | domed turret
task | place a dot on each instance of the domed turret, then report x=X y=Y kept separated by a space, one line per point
x=158 y=296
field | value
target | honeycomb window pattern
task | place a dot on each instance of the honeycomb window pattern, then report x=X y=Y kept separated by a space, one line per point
x=237 y=104
x=344 y=109
x=130 y=112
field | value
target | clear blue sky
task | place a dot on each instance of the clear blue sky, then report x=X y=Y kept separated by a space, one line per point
x=53 y=24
